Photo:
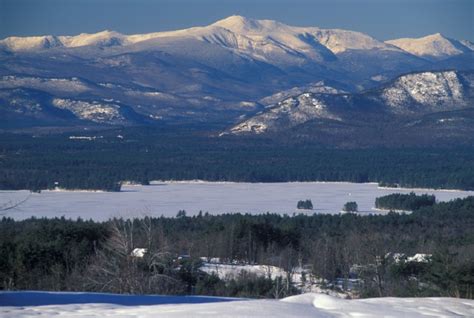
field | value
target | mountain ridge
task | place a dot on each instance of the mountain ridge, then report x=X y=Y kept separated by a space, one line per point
x=332 y=39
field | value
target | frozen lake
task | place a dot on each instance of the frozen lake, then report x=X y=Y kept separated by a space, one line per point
x=167 y=198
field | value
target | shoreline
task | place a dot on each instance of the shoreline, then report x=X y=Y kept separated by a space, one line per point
x=426 y=189
x=396 y=211
x=206 y=182
x=199 y=181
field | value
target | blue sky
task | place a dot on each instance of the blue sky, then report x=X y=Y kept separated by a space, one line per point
x=383 y=19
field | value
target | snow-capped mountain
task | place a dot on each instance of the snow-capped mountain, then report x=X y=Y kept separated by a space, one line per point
x=257 y=38
x=434 y=46
x=248 y=36
x=236 y=37
x=208 y=74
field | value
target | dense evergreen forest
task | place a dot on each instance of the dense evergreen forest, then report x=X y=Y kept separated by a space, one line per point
x=406 y=202
x=304 y=204
x=61 y=254
x=142 y=155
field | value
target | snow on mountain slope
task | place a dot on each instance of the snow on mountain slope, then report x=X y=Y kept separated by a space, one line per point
x=306 y=305
x=104 y=38
x=93 y=111
x=435 y=46
x=286 y=114
x=302 y=38
x=408 y=95
x=34 y=43
x=265 y=39
x=339 y=41
x=467 y=44
x=268 y=36
x=432 y=91
x=30 y=43
x=319 y=87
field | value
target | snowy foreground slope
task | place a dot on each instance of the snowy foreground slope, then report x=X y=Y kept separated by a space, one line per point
x=306 y=305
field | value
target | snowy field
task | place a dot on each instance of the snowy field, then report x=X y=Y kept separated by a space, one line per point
x=20 y=305
x=167 y=198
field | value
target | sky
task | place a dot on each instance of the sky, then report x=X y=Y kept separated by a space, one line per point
x=382 y=19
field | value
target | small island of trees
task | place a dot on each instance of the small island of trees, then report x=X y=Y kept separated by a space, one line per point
x=406 y=202
x=305 y=205
x=350 y=207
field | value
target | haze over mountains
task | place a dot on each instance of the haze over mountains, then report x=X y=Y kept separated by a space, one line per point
x=228 y=72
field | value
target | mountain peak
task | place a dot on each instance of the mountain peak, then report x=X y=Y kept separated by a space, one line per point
x=235 y=18
x=433 y=46
x=237 y=21
x=437 y=35
x=240 y=24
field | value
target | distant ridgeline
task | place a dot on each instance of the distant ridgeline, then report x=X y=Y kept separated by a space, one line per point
x=406 y=202
x=141 y=155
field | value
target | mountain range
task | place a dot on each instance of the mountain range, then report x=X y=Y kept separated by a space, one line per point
x=255 y=76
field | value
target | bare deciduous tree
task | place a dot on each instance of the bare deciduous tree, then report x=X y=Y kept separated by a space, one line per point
x=116 y=269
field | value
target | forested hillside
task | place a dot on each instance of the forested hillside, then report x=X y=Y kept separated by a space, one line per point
x=100 y=160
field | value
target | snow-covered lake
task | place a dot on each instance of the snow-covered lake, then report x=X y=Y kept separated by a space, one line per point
x=167 y=198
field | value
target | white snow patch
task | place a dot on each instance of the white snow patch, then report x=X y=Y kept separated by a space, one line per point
x=93 y=111
x=139 y=252
x=419 y=258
